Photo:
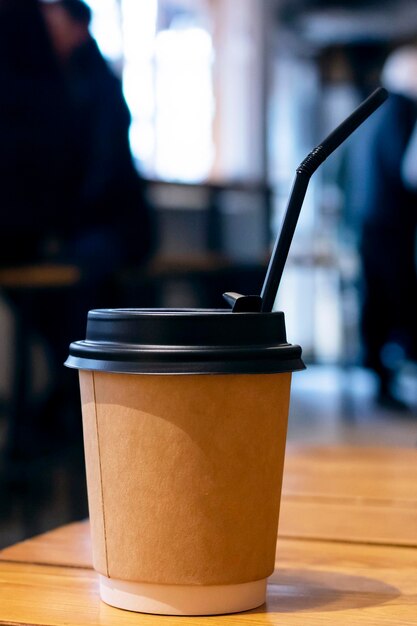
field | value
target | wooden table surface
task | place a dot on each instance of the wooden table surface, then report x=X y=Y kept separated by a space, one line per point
x=350 y=494
x=367 y=576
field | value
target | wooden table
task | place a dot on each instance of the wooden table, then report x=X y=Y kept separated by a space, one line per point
x=346 y=554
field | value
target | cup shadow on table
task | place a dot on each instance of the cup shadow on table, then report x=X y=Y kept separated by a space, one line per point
x=301 y=590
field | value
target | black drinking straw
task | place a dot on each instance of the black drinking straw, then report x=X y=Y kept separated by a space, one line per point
x=303 y=174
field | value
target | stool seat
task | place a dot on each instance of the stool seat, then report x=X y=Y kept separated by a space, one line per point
x=39 y=276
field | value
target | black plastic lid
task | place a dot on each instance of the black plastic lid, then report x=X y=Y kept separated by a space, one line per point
x=184 y=341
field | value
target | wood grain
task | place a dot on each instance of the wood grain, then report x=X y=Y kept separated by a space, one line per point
x=350 y=494
x=339 y=493
x=355 y=494
x=68 y=546
x=315 y=583
x=352 y=472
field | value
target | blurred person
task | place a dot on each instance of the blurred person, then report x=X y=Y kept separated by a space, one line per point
x=33 y=166
x=107 y=222
x=33 y=136
x=69 y=191
x=386 y=206
x=107 y=211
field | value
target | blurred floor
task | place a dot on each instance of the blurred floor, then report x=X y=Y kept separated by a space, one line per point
x=328 y=406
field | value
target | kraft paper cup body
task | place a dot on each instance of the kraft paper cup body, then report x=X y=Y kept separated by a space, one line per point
x=185 y=417
x=184 y=478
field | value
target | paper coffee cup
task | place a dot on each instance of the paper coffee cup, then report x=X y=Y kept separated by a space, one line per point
x=184 y=448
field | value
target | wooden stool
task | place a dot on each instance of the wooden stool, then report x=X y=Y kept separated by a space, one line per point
x=25 y=282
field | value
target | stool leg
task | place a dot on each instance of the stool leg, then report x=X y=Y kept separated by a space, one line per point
x=18 y=435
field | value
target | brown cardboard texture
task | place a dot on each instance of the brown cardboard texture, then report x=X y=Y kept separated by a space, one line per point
x=184 y=474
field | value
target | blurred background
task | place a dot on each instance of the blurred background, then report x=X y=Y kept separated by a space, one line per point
x=148 y=149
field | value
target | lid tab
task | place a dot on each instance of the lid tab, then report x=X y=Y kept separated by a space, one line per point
x=240 y=303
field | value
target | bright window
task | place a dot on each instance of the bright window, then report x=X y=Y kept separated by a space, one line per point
x=165 y=53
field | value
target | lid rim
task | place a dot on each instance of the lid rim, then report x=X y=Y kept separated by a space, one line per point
x=185 y=341
x=186 y=368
